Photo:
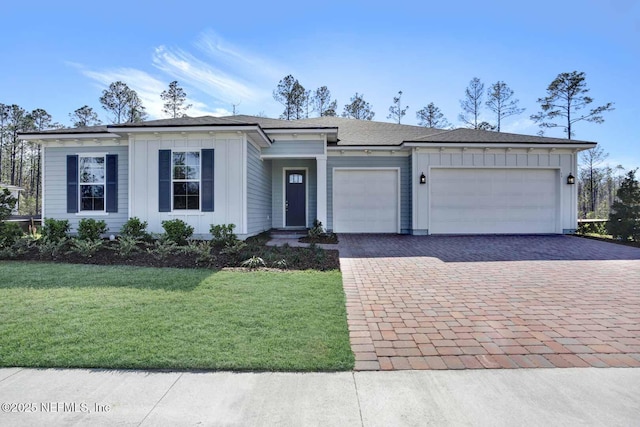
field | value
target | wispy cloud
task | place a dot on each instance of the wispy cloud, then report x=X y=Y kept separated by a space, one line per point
x=215 y=74
x=147 y=87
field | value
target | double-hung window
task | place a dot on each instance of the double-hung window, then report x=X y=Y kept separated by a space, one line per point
x=92 y=183
x=186 y=180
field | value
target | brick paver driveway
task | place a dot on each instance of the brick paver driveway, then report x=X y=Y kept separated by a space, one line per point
x=456 y=302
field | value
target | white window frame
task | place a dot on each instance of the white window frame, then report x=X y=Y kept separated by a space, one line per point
x=103 y=183
x=199 y=180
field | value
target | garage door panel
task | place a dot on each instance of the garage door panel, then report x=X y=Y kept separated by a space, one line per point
x=365 y=201
x=469 y=201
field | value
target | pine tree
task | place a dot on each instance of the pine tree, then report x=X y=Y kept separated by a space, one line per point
x=174 y=101
x=624 y=218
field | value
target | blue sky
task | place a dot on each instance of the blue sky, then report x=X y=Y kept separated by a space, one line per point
x=61 y=55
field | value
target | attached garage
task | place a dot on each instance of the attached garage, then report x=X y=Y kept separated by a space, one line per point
x=494 y=201
x=366 y=200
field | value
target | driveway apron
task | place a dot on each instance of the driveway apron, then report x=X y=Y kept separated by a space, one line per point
x=473 y=302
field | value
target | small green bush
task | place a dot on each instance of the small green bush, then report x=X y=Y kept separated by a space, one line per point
x=233 y=248
x=281 y=264
x=177 y=231
x=163 y=248
x=201 y=250
x=223 y=235
x=10 y=232
x=253 y=262
x=135 y=228
x=56 y=229
x=317 y=230
x=86 y=247
x=91 y=229
x=51 y=248
x=127 y=245
x=592 y=228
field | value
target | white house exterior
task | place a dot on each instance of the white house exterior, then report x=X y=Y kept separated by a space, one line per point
x=354 y=176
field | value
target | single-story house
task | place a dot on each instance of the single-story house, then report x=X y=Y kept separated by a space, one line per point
x=355 y=176
x=15 y=193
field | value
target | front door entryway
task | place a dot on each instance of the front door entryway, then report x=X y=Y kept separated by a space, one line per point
x=295 y=198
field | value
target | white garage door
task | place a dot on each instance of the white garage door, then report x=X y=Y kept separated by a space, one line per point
x=467 y=201
x=365 y=200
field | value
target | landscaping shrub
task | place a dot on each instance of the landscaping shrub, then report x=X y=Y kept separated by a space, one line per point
x=86 y=247
x=135 y=228
x=223 y=235
x=177 y=231
x=201 y=251
x=163 y=248
x=253 y=262
x=592 y=228
x=91 y=229
x=317 y=230
x=51 y=248
x=10 y=232
x=127 y=245
x=55 y=229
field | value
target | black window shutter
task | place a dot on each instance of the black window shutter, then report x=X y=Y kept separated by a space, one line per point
x=112 y=183
x=164 y=181
x=206 y=189
x=72 y=184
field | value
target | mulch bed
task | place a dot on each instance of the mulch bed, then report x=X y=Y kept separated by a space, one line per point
x=326 y=239
x=296 y=258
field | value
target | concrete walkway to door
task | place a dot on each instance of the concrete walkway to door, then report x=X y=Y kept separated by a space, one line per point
x=466 y=302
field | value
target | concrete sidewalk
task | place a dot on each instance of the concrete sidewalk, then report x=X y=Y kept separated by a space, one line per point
x=573 y=396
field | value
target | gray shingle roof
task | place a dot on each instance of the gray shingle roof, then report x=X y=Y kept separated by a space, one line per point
x=484 y=136
x=350 y=131
x=367 y=132
x=86 y=129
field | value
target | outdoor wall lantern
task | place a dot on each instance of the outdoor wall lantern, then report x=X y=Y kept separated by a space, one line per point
x=571 y=179
x=423 y=179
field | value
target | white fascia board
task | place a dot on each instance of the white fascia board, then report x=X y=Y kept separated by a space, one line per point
x=290 y=131
x=68 y=136
x=578 y=147
x=194 y=129
x=365 y=147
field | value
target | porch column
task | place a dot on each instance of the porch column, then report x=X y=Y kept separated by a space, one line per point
x=321 y=179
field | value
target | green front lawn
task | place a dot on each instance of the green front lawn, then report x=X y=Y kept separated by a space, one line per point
x=61 y=315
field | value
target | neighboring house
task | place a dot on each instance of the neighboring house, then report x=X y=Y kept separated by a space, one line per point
x=355 y=176
x=15 y=192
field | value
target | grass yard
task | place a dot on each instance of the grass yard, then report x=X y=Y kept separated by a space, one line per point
x=62 y=315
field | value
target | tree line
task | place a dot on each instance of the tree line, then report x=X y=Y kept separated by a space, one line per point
x=566 y=103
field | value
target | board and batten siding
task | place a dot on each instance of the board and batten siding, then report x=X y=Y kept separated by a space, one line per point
x=277 y=179
x=258 y=191
x=402 y=162
x=55 y=185
x=302 y=148
x=229 y=181
x=562 y=160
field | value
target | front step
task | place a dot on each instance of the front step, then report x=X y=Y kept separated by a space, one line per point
x=288 y=234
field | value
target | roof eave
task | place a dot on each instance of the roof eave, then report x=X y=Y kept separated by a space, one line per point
x=580 y=146
x=57 y=136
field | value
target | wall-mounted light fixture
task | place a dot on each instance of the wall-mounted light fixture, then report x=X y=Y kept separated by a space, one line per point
x=423 y=179
x=571 y=179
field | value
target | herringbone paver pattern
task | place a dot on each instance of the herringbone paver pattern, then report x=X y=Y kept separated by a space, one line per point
x=470 y=302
